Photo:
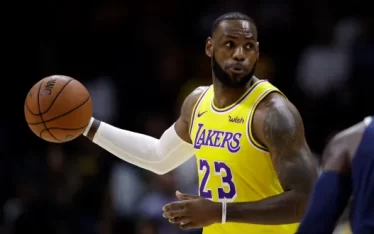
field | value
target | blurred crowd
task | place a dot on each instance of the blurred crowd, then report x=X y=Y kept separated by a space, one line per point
x=139 y=60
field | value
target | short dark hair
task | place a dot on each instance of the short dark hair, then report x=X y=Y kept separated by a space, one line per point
x=231 y=16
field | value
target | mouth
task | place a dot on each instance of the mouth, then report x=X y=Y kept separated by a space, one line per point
x=237 y=69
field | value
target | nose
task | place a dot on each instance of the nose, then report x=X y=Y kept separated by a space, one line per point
x=239 y=54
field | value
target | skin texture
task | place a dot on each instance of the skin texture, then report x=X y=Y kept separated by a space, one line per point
x=341 y=149
x=278 y=127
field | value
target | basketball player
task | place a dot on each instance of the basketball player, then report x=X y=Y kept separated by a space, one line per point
x=255 y=167
x=348 y=169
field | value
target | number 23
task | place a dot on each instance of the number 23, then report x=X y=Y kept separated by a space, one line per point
x=227 y=180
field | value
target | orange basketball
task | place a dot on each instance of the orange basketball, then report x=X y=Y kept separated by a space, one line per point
x=58 y=108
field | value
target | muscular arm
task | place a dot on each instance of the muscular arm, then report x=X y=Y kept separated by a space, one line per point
x=157 y=155
x=279 y=127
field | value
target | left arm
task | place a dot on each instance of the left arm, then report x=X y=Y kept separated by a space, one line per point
x=280 y=128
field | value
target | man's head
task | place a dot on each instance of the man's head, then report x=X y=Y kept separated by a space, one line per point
x=233 y=49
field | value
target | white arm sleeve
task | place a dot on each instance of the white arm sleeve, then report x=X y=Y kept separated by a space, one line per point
x=157 y=155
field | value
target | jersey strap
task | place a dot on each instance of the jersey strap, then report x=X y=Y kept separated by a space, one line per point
x=262 y=91
x=242 y=99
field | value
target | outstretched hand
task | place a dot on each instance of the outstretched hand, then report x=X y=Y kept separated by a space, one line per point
x=192 y=211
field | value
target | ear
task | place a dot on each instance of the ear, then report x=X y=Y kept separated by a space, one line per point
x=209 y=47
x=258 y=50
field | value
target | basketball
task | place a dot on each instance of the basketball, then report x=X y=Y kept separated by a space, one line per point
x=58 y=108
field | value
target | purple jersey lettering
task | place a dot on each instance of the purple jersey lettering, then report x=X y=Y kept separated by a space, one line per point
x=227 y=191
x=217 y=139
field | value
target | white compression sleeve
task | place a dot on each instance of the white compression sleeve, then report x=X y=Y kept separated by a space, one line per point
x=157 y=155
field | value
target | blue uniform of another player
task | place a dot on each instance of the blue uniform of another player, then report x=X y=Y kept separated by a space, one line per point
x=348 y=171
x=362 y=214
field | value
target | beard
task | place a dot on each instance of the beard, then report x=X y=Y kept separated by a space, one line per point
x=226 y=80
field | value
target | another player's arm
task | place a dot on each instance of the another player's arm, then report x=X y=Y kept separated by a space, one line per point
x=157 y=155
x=280 y=128
x=333 y=188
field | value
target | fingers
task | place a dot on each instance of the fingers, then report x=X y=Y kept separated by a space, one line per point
x=183 y=196
x=173 y=206
x=180 y=220
x=174 y=213
x=184 y=222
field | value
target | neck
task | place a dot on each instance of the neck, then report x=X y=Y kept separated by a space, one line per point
x=225 y=96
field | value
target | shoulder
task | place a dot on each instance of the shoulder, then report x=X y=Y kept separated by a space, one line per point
x=278 y=121
x=280 y=110
x=341 y=148
x=276 y=102
x=197 y=92
x=190 y=101
x=193 y=97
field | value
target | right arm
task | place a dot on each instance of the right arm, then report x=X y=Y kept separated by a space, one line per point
x=157 y=155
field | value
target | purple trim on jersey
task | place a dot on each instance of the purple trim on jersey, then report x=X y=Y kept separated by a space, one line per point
x=257 y=145
x=240 y=100
x=195 y=108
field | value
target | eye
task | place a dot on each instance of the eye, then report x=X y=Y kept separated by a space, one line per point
x=250 y=46
x=229 y=44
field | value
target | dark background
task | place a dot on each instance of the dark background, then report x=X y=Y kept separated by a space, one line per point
x=139 y=60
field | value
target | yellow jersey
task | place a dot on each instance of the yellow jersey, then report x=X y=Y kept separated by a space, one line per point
x=232 y=165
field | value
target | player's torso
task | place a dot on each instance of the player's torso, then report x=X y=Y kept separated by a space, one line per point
x=232 y=166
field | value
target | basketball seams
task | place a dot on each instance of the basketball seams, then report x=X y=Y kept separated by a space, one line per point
x=57 y=95
x=52 y=102
x=29 y=112
x=58 y=116
x=64 y=129
x=26 y=101
x=51 y=128
x=66 y=113
x=41 y=116
x=68 y=129
x=28 y=108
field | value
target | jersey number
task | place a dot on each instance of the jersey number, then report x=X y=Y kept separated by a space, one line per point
x=220 y=169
